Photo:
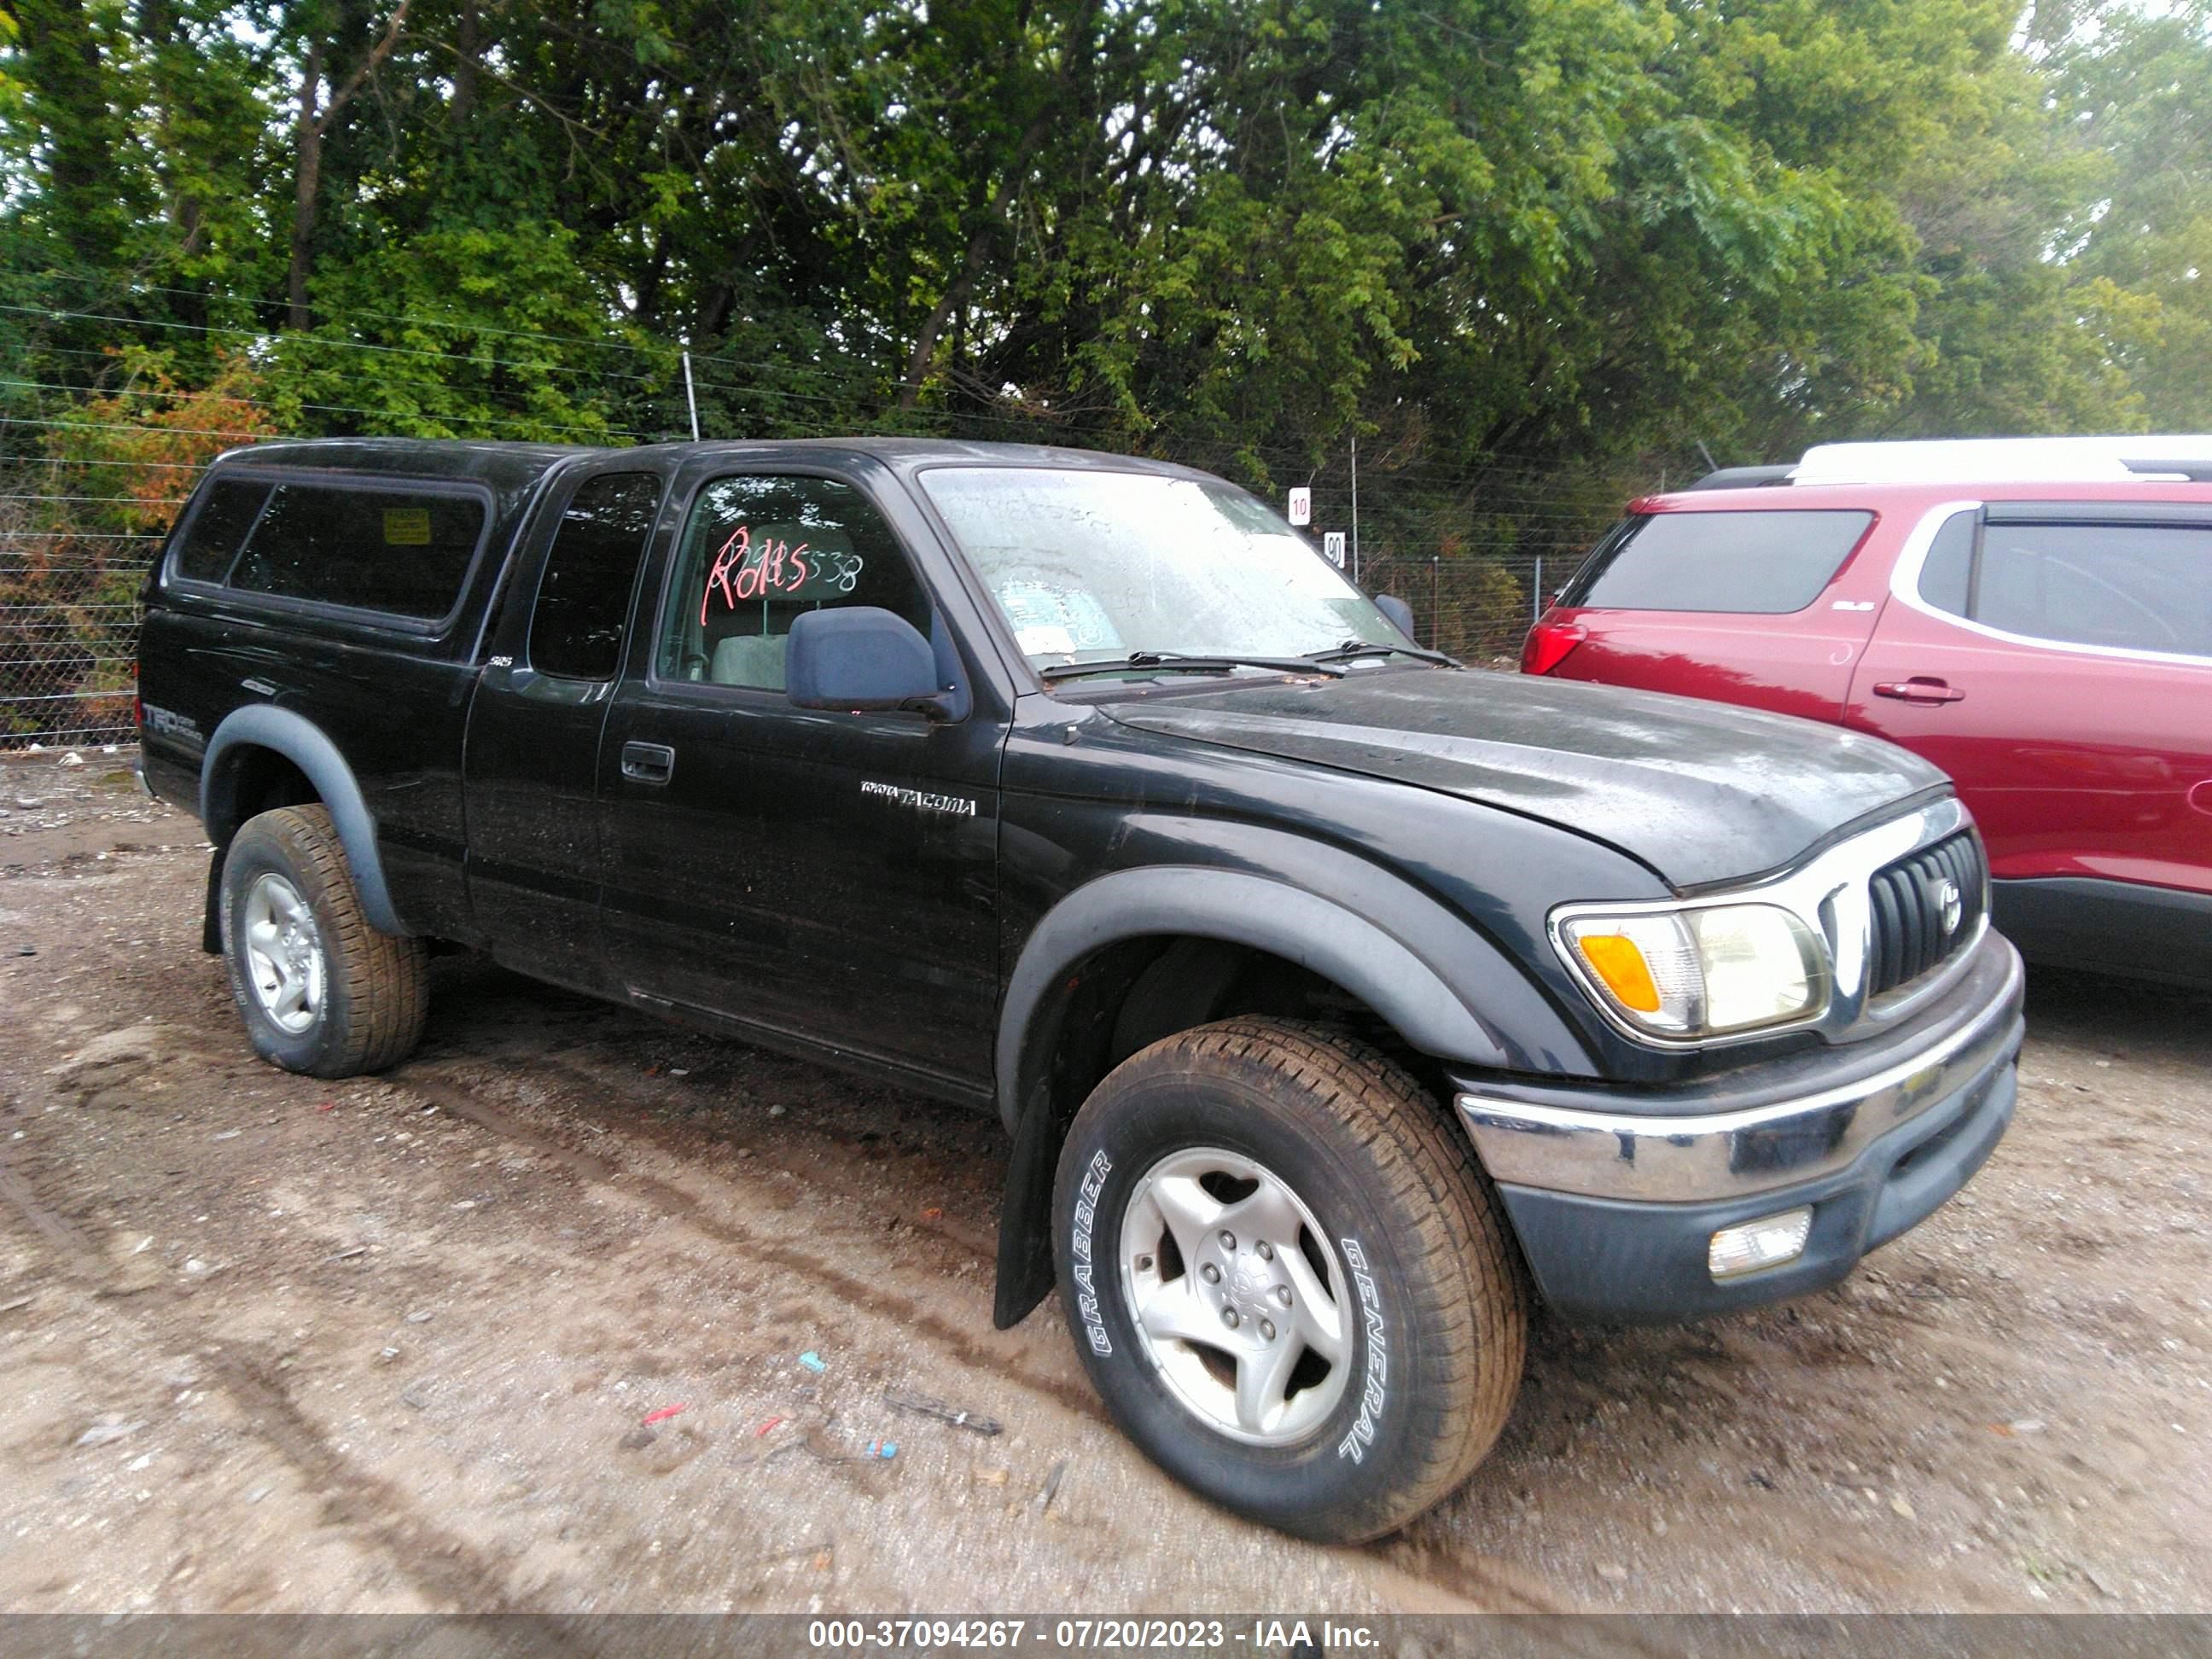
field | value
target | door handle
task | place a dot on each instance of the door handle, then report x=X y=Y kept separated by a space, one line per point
x=649 y=762
x=1921 y=688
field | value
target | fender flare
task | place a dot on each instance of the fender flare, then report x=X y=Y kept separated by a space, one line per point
x=299 y=740
x=1342 y=946
x=1345 y=947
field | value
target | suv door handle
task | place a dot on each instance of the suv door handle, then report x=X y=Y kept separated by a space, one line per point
x=649 y=762
x=1921 y=688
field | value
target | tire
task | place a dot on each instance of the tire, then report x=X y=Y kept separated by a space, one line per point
x=329 y=995
x=1392 y=1230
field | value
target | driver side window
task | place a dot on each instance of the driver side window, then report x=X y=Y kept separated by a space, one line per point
x=759 y=552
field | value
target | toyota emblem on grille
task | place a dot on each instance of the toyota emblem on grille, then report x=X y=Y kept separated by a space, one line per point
x=1952 y=905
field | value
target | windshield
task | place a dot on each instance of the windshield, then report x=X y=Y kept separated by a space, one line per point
x=1089 y=566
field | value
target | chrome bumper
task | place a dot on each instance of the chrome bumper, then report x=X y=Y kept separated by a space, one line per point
x=1675 y=1159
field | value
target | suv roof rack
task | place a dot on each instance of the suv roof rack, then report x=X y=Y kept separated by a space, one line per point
x=2195 y=471
x=2116 y=459
x=1745 y=478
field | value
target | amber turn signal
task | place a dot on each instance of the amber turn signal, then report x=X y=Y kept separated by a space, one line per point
x=1614 y=958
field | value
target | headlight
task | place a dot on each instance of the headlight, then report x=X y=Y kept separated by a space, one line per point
x=1700 y=972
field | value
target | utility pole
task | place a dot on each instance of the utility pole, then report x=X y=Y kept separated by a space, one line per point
x=690 y=398
x=1355 y=509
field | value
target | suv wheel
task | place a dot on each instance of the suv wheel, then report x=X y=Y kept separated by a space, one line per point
x=321 y=990
x=1287 y=1278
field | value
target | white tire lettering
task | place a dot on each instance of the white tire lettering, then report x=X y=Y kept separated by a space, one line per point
x=1086 y=1213
x=1373 y=1394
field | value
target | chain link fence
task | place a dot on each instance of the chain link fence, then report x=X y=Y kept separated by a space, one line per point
x=1475 y=554
x=68 y=615
x=90 y=480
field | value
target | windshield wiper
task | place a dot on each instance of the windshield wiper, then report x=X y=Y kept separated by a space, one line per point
x=1353 y=650
x=1176 y=662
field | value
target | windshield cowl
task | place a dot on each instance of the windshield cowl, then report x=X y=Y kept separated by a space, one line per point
x=1176 y=662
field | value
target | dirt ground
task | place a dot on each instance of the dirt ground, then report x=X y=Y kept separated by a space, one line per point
x=267 y=1343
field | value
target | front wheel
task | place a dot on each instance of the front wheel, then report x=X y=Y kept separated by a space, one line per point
x=321 y=990
x=1286 y=1277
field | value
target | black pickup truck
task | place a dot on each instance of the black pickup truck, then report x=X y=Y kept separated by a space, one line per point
x=1339 y=1002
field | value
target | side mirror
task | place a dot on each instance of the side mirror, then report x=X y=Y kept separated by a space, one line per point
x=1399 y=613
x=864 y=658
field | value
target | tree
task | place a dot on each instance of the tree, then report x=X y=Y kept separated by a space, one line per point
x=316 y=26
x=1237 y=231
x=2137 y=86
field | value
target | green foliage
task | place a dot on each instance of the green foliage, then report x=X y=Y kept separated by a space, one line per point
x=1582 y=233
x=1535 y=255
x=2138 y=89
x=463 y=332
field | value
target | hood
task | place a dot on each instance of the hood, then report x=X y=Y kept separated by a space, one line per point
x=1700 y=792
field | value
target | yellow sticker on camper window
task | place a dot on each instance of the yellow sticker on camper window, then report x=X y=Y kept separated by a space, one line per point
x=407 y=527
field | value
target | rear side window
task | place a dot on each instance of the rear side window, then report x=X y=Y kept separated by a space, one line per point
x=218 y=527
x=401 y=552
x=583 y=599
x=1949 y=567
x=2142 y=587
x=1756 y=563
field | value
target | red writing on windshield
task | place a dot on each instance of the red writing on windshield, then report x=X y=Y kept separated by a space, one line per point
x=743 y=571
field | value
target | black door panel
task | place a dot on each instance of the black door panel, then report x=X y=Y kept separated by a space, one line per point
x=534 y=863
x=822 y=875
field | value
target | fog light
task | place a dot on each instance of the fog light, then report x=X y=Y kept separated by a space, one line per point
x=1752 y=1245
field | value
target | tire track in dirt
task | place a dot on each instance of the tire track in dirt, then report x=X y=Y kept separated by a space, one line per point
x=1438 y=1585
x=956 y=1340
x=442 y=1566
x=571 y=1062
x=75 y=1249
x=449 y=1096
x=437 y=1563
x=666 y=1139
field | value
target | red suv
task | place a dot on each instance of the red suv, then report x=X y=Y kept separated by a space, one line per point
x=2033 y=616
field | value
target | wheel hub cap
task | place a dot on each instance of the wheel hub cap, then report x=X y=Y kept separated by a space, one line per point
x=283 y=953
x=1237 y=1296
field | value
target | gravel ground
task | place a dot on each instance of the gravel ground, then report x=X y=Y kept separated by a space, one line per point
x=390 y=1343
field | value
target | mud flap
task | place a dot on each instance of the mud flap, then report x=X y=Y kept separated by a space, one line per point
x=1026 y=1273
x=211 y=921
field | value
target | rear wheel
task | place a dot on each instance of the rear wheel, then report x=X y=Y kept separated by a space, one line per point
x=1287 y=1278
x=321 y=990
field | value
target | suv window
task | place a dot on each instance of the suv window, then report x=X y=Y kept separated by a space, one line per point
x=1762 y=563
x=1946 y=575
x=217 y=526
x=758 y=551
x=583 y=599
x=2146 y=588
x=402 y=552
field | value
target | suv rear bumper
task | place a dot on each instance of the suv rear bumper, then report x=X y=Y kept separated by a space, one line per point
x=1615 y=1196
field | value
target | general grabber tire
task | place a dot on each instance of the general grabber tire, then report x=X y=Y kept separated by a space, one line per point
x=321 y=990
x=1249 y=1186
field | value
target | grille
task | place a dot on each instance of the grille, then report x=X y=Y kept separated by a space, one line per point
x=1908 y=903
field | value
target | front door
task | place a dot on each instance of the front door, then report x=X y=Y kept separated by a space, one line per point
x=820 y=876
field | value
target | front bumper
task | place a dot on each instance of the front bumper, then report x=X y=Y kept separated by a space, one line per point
x=1615 y=1196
